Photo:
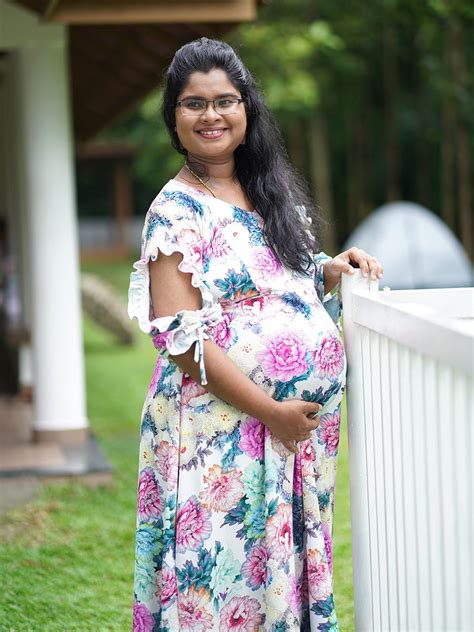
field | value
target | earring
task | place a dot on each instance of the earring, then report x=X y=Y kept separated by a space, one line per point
x=174 y=128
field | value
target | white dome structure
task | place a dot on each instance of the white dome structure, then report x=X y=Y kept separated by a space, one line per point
x=416 y=248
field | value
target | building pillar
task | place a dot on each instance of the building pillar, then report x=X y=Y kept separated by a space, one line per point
x=44 y=119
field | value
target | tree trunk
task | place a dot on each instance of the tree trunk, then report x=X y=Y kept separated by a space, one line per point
x=459 y=66
x=390 y=81
x=321 y=176
x=448 y=124
x=423 y=196
x=352 y=180
x=296 y=145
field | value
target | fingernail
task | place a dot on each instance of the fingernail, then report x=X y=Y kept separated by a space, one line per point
x=374 y=276
x=364 y=274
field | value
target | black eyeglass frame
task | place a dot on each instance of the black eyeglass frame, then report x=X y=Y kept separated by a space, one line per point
x=213 y=101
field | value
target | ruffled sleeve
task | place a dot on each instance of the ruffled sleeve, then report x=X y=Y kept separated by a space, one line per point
x=174 y=224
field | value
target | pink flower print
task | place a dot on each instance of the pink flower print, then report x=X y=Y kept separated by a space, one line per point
x=297 y=477
x=142 y=618
x=156 y=375
x=193 y=525
x=328 y=544
x=308 y=456
x=149 y=495
x=222 y=332
x=161 y=340
x=328 y=432
x=218 y=246
x=329 y=357
x=168 y=586
x=189 y=389
x=294 y=596
x=251 y=438
x=241 y=614
x=319 y=578
x=265 y=260
x=192 y=613
x=284 y=357
x=223 y=490
x=279 y=536
x=193 y=257
x=167 y=463
x=254 y=569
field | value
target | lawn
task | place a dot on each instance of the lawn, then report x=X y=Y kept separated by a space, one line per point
x=66 y=560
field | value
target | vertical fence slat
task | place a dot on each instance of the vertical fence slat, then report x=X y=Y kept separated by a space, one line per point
x=433 y=438
x=421 y=581
x=409 y=500
x=448 y=493
x=371 y=477
x=398 y=474
x=391 y=586
x=462 y=429
x=385 y=525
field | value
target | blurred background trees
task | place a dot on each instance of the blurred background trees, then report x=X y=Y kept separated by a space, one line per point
x=375 y=101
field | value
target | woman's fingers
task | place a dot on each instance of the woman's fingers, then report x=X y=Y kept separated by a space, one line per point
x=291 y=446
x=368 y=264
x=311 y=408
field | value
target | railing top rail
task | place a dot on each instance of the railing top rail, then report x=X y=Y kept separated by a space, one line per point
x=436 y=323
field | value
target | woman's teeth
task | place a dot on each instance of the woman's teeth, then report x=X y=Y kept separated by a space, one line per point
x=214 y=132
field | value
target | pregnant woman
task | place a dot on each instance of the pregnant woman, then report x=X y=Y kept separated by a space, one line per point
x=240 y=427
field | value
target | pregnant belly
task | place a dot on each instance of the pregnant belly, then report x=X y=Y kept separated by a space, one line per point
x=289 y=353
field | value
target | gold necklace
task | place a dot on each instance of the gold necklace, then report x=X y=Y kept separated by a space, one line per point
x=200 y=179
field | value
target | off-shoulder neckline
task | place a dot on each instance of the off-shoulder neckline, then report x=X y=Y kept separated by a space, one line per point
x=208 y=195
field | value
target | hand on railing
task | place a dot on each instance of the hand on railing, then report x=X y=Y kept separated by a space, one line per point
x=347 y=261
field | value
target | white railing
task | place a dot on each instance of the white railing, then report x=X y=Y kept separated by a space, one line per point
x=410 y=402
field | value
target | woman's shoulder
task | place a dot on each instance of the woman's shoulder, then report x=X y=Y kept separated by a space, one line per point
x=174 y=197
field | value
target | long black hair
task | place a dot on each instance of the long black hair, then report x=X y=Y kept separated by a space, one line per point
x=276 y=191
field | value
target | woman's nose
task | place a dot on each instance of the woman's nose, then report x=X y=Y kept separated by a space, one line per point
x=209 y=113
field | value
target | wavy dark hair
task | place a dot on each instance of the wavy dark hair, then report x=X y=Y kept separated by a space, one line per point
x=276 y=191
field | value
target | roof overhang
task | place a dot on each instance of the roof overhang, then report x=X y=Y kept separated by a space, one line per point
x=143 y=11
x=118 y=49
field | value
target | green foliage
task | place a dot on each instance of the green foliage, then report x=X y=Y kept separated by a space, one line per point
x=329 y=58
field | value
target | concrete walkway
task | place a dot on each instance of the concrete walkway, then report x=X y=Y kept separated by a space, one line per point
x=24 y=464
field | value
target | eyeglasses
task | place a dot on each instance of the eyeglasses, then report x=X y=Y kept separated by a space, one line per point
x=196 y=107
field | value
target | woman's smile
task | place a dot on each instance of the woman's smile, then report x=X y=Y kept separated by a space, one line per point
x=211 y=133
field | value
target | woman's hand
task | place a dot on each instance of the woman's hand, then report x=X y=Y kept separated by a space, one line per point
x=347 y=261
x=292 y=421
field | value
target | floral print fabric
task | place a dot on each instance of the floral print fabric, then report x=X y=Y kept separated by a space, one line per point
x=234 y=532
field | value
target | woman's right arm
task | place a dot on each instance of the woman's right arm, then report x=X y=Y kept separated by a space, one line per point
x=172 y=291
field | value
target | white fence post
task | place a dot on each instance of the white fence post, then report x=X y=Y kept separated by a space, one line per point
x=410 y=403
x=361 y=475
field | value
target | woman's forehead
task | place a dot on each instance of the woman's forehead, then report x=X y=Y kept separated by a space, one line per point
x=210 y=85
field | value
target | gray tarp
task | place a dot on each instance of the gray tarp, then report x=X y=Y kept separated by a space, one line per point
x=416 y=248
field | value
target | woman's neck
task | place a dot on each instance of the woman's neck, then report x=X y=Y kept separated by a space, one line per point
x=220 y=171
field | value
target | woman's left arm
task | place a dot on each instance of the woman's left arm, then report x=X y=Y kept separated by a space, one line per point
x=347 y=261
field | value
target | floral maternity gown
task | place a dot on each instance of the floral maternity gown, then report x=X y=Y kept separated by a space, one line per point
x=234 y=532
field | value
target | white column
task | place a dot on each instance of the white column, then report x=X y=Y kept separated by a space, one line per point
x=49 y=190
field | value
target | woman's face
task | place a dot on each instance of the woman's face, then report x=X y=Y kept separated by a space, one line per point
x=225 y=132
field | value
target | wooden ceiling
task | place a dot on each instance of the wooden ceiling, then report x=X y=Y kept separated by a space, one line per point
x=119 y=49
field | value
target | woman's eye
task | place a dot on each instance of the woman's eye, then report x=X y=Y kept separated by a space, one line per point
x=194 y=105
x=225 y=103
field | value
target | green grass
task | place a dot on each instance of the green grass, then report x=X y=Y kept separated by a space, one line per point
x=66 y=560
